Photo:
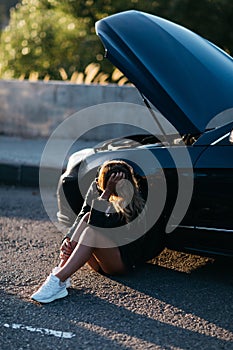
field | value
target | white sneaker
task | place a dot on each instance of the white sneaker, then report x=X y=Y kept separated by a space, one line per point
x=50 y=290
x=67 y=281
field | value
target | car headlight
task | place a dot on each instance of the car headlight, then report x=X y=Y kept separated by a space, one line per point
x=77 y=157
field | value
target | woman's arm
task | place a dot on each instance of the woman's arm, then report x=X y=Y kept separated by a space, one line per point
x=92 y=193
x=111 y=185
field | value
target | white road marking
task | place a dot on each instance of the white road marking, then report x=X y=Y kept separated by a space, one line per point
x=46 y=331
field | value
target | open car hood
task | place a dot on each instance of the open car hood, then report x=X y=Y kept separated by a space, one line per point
x=187 y=78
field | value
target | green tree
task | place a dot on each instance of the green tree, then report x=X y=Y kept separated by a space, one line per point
x=209 y=18
x=43 y=38
x=49 y=35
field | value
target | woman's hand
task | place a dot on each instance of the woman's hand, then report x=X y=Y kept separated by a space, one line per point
x=66 y=249
x=111 y=184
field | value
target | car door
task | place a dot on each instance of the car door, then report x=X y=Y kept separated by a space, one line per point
x=213 y=185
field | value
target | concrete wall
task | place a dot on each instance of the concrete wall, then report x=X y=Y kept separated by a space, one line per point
x=35 y=109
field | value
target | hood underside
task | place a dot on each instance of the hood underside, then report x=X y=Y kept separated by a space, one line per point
x=187 y=78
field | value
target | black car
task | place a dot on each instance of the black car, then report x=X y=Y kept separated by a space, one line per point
x=186 y=176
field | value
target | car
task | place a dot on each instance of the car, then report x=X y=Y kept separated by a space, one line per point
x=186 y=176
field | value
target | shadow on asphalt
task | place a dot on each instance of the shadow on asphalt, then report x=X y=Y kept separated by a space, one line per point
x=155 y=306
x=185 y=302
x=205 y=292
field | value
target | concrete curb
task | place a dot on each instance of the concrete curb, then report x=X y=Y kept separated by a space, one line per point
x=20 y=160
x=19 y=175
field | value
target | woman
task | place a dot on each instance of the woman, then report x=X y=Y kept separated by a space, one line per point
x=113 y=201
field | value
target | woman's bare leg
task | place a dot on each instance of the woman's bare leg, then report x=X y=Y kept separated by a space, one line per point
x=109 y=259
x=76 y=235
x=94 y=264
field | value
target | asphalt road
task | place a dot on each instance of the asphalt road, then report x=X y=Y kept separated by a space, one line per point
x=178 y=302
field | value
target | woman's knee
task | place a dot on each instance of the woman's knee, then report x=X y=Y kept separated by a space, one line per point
x=88 y=237
x=94 y=238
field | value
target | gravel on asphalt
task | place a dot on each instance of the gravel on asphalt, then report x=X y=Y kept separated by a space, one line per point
x=178 y=301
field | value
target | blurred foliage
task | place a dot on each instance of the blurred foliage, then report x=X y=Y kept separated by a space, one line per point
x=53 y=39
x=209 y=18
x=43 y=38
